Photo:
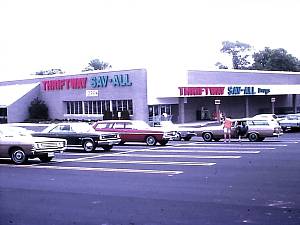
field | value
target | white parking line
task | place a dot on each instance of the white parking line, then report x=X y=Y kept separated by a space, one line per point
x=166 y=172
x=206 y=151
x=211 y=147
x=179 y=163
x=182 y=156
x=236 y=145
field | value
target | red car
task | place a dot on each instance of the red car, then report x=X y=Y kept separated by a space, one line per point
x=135 y=131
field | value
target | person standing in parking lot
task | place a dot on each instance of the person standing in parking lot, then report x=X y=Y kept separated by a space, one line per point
x=227 y=129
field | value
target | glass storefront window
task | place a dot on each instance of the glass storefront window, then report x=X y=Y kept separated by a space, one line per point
x=98 y=107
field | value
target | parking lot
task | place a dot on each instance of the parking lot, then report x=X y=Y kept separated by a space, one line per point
x=176 y=158
x=181 y=183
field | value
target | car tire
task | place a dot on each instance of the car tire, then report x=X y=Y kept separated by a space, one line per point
x=45 y=159
x=18 y=156
x=151 y=141
x=88 y=146
x=107 y=147
x=178 y=137
x=253 y=137
x=207 y=136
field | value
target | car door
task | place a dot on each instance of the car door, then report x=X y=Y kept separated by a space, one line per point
x=132 y=133
x=63 y=131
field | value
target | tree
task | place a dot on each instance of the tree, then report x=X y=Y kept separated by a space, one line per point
x=49 y=72
x=96 y=64
x=38 y=110
x=275 y=60
x=221 y=66
x=238 y=52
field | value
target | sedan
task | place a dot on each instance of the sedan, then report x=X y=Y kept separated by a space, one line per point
x=183 y=133
x=136 y=131
x=81 y=135
x=291 y=121
x=19 y=145
x=258 y=130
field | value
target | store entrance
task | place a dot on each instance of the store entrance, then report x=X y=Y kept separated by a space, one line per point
x=203 y=114
x=3 y=115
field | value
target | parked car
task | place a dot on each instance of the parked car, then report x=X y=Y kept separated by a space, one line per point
x=290 y=121
x=81 y=135
x=270 y=117
x=258 y=130
x=136 y=131
x=32 y=127
x=183 y=133
x=19 y=145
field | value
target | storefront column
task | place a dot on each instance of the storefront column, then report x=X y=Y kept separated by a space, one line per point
x=295 y=103
x=247 y=106
x=181 y=110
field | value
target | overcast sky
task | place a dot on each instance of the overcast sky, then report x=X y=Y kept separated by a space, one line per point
x=159 y=35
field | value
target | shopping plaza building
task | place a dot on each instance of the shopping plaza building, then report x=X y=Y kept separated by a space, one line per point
x=131 y=94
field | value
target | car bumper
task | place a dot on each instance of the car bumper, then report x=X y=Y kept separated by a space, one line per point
x=49 y=153
x=108 y=142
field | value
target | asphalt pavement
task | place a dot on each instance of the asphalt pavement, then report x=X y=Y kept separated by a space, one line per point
x=183 y=183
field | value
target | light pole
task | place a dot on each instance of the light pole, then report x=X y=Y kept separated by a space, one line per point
x=217 y=103
x=273 y=100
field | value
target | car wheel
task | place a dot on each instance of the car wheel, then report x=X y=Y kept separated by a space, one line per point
x=163 y=142
x=45 y=159
x=253 y=137
x=177 y=137
x=107 y=147
x=18 y=156
x=88 y=146
x=150 y=140
x=207 y=136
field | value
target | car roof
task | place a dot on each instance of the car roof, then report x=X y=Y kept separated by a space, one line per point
x=118 y=121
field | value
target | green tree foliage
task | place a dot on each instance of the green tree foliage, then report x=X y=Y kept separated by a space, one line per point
x=49 y=72
x=38 y=110
x=96 y=64
x=275 y=60
x=239 y=53
x=221 y=66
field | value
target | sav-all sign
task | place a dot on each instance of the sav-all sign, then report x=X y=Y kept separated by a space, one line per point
x=116 y=81
x=101 y=81
x=223 y=90
x=247 y=90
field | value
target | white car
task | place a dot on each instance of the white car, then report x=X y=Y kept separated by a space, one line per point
x=183 y=133
x=290 y=121
x=270 y=117
x=258 y=130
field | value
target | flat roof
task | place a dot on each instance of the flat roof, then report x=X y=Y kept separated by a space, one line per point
x=11 y=93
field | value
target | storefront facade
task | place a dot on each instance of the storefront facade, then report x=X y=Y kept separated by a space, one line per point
x=125 y=95
x=93 y=96
x=238 y=94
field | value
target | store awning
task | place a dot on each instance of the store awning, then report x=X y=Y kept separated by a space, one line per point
x=11 y=93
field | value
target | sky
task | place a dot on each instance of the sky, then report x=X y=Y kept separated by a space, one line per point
x=167 y=37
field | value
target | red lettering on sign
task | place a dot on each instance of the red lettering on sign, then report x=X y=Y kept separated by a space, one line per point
x=197 y=91
x=73 y=83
